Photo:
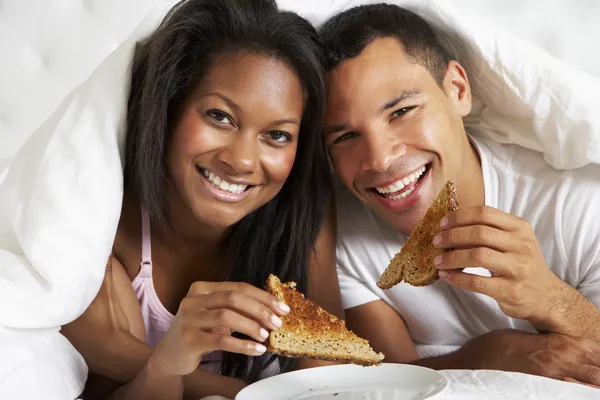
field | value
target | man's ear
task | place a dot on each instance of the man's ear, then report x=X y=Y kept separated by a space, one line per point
x=457 y=88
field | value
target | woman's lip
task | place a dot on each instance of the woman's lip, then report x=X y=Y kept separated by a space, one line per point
x=225 y=195
x=224 y=177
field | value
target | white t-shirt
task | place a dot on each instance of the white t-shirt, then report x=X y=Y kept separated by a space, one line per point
x=563 y=207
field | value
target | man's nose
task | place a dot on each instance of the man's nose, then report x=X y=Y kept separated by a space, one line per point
x=382 y=151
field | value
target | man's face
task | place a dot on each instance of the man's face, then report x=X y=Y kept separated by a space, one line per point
x=395 y=137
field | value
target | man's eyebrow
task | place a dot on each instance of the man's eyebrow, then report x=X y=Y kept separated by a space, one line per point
x=336 y=128
x=405 y=95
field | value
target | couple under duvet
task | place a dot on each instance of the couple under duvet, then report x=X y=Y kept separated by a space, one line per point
x=257 y=145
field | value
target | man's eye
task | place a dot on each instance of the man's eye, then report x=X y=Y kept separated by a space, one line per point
x=219 y=117
x=345 y=136
x=400 y=112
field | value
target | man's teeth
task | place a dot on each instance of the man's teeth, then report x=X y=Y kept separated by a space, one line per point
x=401 y=195
x=400 y=184
x=222 y=184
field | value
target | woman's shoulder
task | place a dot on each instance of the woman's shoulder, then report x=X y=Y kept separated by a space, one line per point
x=127 y=245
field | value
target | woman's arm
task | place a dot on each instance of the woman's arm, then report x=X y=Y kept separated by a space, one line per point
x=323 y=286
x=110 y=336
x=132 y=358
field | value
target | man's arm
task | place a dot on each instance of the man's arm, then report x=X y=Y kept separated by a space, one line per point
x=384 y=329
x=550 y=355
x=570 y=313
x=521 y=282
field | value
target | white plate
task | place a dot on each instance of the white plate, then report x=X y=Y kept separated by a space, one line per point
x=349 y=382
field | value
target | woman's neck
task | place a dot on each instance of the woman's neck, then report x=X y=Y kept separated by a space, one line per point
x=185 y=238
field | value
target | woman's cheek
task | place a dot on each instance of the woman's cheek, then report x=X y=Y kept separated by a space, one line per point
x=278 y=163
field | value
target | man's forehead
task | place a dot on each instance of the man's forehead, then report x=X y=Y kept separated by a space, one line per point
x=382 y=67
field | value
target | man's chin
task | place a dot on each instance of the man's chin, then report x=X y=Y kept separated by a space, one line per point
x=404 y=220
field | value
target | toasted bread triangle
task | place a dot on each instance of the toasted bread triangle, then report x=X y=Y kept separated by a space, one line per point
x=308 y=331
x=414 y=263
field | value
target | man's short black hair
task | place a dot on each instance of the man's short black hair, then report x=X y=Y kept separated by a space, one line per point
x=347 y=34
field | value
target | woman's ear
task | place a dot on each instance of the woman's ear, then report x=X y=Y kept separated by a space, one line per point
x=457 y=88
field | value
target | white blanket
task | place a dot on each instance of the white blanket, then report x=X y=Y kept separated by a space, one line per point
x=60 y=201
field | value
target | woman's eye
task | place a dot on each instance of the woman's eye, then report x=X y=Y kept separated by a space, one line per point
x=345 y=136
x=219 y=117
x=400 y=112
x=279 y=137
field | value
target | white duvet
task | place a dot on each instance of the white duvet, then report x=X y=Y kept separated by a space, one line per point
x=60 y=201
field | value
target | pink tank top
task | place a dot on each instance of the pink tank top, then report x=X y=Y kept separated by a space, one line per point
x=157 y=319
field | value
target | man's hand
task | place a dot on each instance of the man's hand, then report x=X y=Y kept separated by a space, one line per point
x=550 y=355
x=506 y=245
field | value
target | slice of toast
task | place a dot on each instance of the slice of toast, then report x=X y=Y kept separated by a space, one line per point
x=308 y=331
x=414 y=263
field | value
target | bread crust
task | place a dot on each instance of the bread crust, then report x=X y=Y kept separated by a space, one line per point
x=414 y=263
x=308 y=323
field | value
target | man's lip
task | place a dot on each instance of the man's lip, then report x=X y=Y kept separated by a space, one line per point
x=395 y=179
x=403 y=204
x=225 y=177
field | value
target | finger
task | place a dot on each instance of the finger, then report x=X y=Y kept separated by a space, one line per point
x=587 y=374
x=203 y=288
x=483 y=215
x=476 y=236
x=485 y=257
x=235 y=345
x=493 y=287
x=581 y=383
x=224 y=318
x=244 y=305
x=221 y=331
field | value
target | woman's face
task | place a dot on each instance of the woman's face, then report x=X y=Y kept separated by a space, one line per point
x=235 y=142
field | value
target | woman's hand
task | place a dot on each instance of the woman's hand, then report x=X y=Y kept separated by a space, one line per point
x=207 y=317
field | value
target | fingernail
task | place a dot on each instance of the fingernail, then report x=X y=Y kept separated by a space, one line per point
x=444 y=223
x=260 y=348
x=276 y=320
x=284 y=307
x=437 y=260
x=263 y=333
x=443 y=274
x=437 y=240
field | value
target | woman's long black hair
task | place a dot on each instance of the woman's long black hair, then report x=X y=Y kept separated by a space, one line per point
x=279 y=237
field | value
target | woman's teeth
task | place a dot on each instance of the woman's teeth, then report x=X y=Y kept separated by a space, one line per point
x=222 y=184
x=401 y=184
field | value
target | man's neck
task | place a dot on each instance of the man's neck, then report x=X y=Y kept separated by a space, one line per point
x=470 y=183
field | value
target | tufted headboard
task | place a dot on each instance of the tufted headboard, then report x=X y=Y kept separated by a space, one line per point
x=47 y=47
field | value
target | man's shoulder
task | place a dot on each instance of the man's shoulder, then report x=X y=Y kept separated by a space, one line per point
x=513 y=162
x=563 y=206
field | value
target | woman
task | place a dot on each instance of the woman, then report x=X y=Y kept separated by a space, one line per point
x=226 y=182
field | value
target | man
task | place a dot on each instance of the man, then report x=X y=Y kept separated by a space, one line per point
x=528 y=235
